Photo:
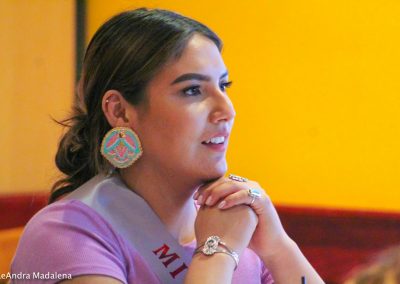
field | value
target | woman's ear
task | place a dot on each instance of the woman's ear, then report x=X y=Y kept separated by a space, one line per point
x=118 y=112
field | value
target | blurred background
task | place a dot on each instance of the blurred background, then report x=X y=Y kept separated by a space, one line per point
x=316 y=91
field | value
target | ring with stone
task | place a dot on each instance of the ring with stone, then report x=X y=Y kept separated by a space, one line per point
x=237 y=178
x=254 y=194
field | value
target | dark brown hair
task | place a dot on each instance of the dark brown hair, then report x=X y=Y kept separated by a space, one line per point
x=124 y=54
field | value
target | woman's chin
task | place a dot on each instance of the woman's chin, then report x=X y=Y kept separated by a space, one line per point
x=216 y=172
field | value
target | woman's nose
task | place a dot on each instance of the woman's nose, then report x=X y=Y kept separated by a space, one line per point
x=223 y=109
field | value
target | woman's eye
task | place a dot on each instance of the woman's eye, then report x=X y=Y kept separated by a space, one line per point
x=192 y=91
x=225 y=85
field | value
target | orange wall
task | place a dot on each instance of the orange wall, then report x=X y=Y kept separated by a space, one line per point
x=36 y=83
x=317 y=94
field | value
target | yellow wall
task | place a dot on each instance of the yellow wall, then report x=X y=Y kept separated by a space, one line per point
x=317 y=92
x=36 y=83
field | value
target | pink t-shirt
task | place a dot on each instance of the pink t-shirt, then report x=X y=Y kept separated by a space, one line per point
x=69 y=237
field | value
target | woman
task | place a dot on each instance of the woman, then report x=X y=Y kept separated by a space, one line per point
x=149 y=133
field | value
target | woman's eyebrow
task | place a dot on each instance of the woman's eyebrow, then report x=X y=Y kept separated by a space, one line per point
x=195 y=76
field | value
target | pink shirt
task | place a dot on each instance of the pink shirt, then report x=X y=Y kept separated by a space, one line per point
x=68 y=237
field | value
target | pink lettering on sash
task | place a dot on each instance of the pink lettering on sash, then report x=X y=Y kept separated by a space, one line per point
x=170 y=258
x=178 y=270
x=164 y=250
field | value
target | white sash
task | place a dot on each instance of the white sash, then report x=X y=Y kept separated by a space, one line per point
x=135 y=221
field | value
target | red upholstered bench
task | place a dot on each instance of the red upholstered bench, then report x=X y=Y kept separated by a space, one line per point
x=335 y=241
x=16 y=210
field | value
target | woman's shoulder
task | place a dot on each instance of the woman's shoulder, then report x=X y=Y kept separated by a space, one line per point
x=71 y=213
x=69 y=216
x=70 y=237
x=70 y=220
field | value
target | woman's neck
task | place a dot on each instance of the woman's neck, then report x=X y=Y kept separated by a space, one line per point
x=168 y=196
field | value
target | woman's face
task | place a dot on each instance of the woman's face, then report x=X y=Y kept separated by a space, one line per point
x=185 y=123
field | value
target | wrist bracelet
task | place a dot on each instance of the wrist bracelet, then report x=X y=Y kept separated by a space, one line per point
x=213 y=245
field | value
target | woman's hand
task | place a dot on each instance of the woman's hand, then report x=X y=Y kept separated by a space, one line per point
x=269 y=236
x=235 y=227
x=279 y=253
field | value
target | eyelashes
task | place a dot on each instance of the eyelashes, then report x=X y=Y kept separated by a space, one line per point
x=226 y=85
x=195 y=90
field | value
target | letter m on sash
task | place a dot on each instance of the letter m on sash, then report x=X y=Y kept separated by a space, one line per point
x=163 y=251
x=169 y=257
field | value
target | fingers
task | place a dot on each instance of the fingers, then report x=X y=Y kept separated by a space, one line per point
x=237 y=198
x=226 y=193
x=203 y=192
x=242 y=197
x=209 y=195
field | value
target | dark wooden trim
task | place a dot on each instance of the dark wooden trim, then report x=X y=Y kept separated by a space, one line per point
x=80 y=36
x=341 y=228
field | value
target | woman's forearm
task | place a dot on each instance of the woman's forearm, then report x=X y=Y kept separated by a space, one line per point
x=289 y=265
x=215 y=269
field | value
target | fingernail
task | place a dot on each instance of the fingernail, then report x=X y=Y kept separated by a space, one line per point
x=208 y=201
x=196 y=195
x=200 y=199
x=221 y=204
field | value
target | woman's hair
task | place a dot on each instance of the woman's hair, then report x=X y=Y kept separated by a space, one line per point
x=384 y=269
x=124 y=55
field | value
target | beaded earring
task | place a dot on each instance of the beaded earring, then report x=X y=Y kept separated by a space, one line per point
x=121 y=147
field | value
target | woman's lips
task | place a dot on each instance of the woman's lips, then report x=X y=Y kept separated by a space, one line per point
x=216 y=147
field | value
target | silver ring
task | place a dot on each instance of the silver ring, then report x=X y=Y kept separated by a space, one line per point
x=254 y=194
x=237 y=178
